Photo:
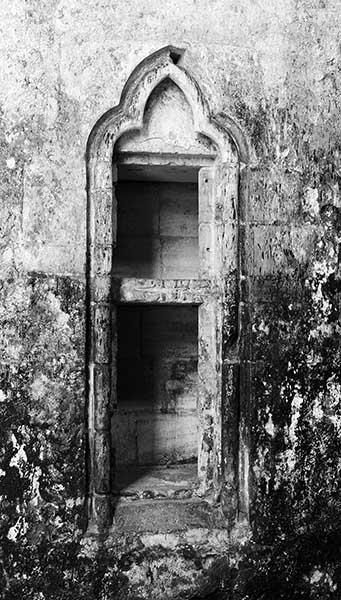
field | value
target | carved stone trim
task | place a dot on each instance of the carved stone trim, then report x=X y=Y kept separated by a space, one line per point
x=218 y=226
x=141 y=158
x=163 y=291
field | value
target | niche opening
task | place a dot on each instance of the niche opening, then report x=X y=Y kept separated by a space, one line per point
x=157 y=222
x=156 y=421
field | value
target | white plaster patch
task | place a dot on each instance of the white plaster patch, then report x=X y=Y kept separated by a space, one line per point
x=290 y=458
x=261 y=327
x=35 y=494
x=246 y=475
x=19 y=459
x=71 y=502
x=13 y=532
x=331 y=252
x=322 y=268
x=269 y=426
x=61 y=317
x=316 y=576
x=20 y=527
x=14 y=441
x=334 y=396
x=160 y=539
x=10 y=162
x=58 y=522
x=264 y=328
x=310 y=201
x=39 y=386
x=334 y=389
x=324 y=330
x=336 y=420
x=317 y=410
x=295 y=410
x=7 y=255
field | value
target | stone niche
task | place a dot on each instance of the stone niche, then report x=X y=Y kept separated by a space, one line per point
x=163 y=280
x=155 y=425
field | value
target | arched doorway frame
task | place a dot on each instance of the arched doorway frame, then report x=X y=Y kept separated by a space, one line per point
x=226 y=190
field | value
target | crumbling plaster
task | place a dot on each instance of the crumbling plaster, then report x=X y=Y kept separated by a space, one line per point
x=275 y=69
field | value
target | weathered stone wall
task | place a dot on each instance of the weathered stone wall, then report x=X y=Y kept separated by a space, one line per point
x=275 y=68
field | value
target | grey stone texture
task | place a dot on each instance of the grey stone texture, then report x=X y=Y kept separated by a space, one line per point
x=268 y=512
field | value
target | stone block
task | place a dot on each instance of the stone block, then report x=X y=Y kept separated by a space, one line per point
x=230 y=235
x=103 y=392
x=102 y=459
x=179 y=210
x=180 y=258
x=229 y=193
x=166 y=515
x=137 y=257
x=138 y=209
x=206 y=195
x=169 y=437
x=101 y=512
x=124 y=433
x=103 y=179
x=176 y=383
x=271 y=249
x=67 y=259
x=105 y=217
x=274 y=197
x=103 y=334
x=101 y=289
x=170 y=331
x=206 y=249
x=102 y=260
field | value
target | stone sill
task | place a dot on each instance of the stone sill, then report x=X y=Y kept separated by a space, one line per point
x=165 y=516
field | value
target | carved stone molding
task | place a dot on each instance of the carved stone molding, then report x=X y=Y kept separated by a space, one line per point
x=222 y=196
x=163 y=291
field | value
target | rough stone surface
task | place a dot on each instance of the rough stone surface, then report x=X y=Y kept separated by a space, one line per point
x=275 y=68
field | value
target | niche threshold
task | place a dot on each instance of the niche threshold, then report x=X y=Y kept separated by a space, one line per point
x=169 y=481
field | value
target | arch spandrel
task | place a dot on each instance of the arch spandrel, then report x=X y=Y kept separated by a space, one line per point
x=128 y=115
x=168 y=126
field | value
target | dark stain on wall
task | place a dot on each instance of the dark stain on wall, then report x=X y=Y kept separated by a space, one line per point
x=293 y=274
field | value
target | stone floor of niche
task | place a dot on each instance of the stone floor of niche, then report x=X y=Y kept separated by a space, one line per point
x=170 y=481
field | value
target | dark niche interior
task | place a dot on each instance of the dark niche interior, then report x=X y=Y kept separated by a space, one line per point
x=157 y=225
x=155 y=425
x=156 y=419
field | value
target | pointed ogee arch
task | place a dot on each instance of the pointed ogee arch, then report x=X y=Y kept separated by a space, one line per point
x=101 y=240
x=128 y=114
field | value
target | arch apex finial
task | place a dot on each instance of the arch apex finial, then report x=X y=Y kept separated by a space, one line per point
x=176 y=54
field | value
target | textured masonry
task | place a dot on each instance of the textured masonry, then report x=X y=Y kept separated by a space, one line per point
x=218 y=291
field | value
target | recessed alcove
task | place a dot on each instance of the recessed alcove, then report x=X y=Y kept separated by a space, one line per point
x=157 y=226
x=156 y=421
x=163 y=183
x=155 y=425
